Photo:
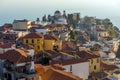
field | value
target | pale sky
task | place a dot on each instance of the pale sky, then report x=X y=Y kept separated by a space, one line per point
x=31 y=9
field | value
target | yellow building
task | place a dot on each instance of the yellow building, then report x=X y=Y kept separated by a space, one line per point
x=55 y=27
x=52 y=43
x=36 y=39
x=103 y=33
x=115 y=46
x=94 y=65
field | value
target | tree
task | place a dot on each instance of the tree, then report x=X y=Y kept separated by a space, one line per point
x=44 y=18
x=116 y=28
x=38 y=20
x=112 y=32
x=49 y=18
x=73 y=35
x=64 y=14
x=78 y=17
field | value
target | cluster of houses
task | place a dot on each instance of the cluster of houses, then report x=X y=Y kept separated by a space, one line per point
x=32 y=51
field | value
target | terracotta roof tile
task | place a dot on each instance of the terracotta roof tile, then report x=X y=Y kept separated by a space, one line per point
x=34 y=35
x=99 y=74
x=26 y=46
x=61 y=75
x=9 y=35
x=86 y=54
x=105 y=66
x=68 y=46
x=69 y=62
x=58 y=67
x=6 y=45
x=15 y=56
x=53 y=74
x=50 y=37
x=51 y=53
x=66 y=54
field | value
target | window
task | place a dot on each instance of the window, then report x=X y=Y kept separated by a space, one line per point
x=97 y=60
x=38 y=40
x=95 y=67
x=26 y=41
x=38 y=47
x=32 y=41
x=55 y=48
x=71 y=68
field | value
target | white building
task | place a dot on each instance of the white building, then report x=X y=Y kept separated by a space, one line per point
x=113 y=44
x=78 y=67
x=21 y=24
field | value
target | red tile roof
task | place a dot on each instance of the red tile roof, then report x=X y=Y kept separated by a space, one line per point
x=58 y=67
x=51 y=54
x=86 y=54
x=50 y=37
x=15 y=56
x=6 y=45
x=9 y=34
x=5 y=27
x=66 y=54
x=68 y=46
x=34 y=35
x=99 y=75
x=61 y=75
x=26 y=46
x=106 y=66
x=69 y=62
x=53 y=74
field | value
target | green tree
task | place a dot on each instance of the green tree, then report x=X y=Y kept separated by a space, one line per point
x=73 y=35
x=37 y=19
x=49 y=18
x=112 y=32
x=64 y=14
x=44 y=18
